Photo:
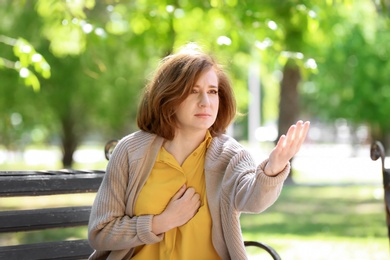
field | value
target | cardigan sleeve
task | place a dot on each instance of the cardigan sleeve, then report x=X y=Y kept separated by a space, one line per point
x=110 y=227
x=244 y=184
x=253 y=190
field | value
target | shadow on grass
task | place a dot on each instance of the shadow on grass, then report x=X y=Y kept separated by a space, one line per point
x=333 y=211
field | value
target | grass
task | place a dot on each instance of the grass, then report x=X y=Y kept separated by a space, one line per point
x=328 y=222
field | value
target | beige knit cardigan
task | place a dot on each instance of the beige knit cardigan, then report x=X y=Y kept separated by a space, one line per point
x=233 y=185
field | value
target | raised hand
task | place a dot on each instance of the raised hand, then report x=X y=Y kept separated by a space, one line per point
x=287 y=146
x=181 y=208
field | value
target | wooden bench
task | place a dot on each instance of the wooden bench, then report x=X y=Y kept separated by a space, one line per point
x=377 y=151
x=38 y=183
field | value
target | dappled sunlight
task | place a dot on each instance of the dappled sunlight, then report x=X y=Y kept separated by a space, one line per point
x=348 y=220
x=49 y=201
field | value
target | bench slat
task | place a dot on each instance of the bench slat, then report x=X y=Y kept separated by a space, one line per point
x=49 y=172
x=35 y=184
x=75 y=249
x=27 y=220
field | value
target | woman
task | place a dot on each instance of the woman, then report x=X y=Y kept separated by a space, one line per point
x=176 y=188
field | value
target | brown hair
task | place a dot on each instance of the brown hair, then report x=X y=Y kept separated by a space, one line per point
x=170 y=86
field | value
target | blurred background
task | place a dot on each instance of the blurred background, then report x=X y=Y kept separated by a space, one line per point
x=72 y=71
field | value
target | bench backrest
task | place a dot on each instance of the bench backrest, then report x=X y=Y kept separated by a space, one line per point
x=377 y=151
x=37 y=183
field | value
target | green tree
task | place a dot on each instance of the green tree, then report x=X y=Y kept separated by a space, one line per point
x=353 y=78
x=20 y=64
x=101 y=52
x=82 y=80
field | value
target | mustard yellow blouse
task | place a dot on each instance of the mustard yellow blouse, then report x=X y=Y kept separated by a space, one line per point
x=192 y=240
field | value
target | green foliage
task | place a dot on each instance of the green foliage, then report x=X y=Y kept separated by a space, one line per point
x=100 y=54
x=352 y=80
x=65 y=25
x=27 y=58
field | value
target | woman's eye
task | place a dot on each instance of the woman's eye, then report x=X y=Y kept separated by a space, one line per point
x=214 y=92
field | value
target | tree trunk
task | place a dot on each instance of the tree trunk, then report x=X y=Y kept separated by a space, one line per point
x=289 y=100
x=70 y=141
x=381 y=135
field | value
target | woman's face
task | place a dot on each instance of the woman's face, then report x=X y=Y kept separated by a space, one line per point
x=199 y=110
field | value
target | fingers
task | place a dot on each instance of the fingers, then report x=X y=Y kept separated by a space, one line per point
x=286 y=148
x=184 y=208
x=282 y=141
x=192 y=200
x=300 y=133
x=290 y=143
x=303 y=132
x=191 y=195
x=187 y=195
x=290 y=136
x=296 y=134
x=180 y=192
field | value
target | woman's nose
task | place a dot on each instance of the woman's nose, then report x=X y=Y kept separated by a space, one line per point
x=204 y=100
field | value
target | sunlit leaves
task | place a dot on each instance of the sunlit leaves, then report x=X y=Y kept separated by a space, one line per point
x=65 y=24
x=29 y=61
x=109 y=47
x=353 y=71
x=117 y=23
x=139 y=24
x=28 y=57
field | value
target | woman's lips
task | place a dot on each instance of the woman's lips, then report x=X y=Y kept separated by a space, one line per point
x=202 y=115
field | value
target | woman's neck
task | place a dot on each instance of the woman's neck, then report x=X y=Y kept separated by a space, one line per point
x=183 y=145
